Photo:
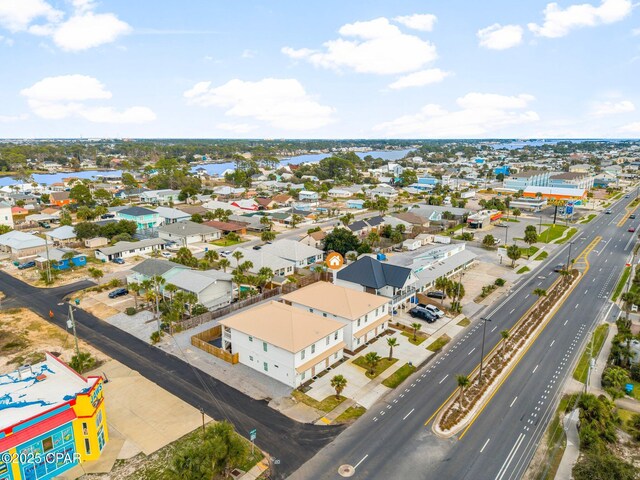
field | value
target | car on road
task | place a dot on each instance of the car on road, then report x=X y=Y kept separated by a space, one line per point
x=225 y=253
x=423 y=313
x=257 y=247
x=559 y=267
x=436 y=294
x=118 y=292
x=632 y=216
x=166 y=254
x=25 y=265
x=433 y=309
x=118 y=260
x=626 y=196
x=608 y=212
x=632 y=229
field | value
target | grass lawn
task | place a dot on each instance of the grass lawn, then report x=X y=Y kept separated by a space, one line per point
x=621 y=283
x=439 y=343
x=589 y=218
x=325 y=405
x=599 y=336
x=399 y=376
x=636 y=389
x=465 y=322
x=350 y=414
x=570 y=234
x=551 y=233
x=528 y=251
x=542 y=255
x=420 y=337
x=625 y=417
x=523 y=270
x=224 y=242
x=512 y=220
x=454 y=229
x=383 y=364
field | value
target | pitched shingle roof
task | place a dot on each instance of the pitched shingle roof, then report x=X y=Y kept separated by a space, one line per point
x=371 y=273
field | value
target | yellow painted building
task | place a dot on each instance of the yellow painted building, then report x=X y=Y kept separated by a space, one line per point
x=51 y=419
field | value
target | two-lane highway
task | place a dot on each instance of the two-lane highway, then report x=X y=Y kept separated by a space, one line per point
x=392 y=441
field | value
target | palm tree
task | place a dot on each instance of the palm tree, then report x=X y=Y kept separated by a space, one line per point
x=224 y=264
x=540 y=292
x=505 y=336
x=338 y=382
x=268 y=236
x=373 y=238
x=392 y=342
x=295 y=220
x=266 y=221
x=463 y=383
x=416 y=326
x=441 y=284
x=245 y=266
x=238 y=255
x=565 y=274
x=211 y=256
x=347 y=218
x=135 y=288
x=171 y=289
x=372 y=359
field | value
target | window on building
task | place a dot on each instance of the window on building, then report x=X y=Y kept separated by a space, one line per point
x=335 y=336
x=335 y=355
x=85 y=430
x=366 y=318
x=251 y=358
x=98 y=418
x=328 y=339
x=265 y=366
x=304 y=374
x=87 y=446
x=313 y=348
x=311 y=310
x=250 y=338
x=358 y=322
x=302 y=354
x=264 y=346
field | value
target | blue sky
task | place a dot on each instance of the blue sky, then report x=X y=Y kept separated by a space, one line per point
x=332 y=69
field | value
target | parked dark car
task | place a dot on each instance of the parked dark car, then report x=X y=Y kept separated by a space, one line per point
x=257 y=247
x=22 y=266
x=423 y=313
x=608 y=212
x=559 y=267
x=632 y=229
x=435 y=294
x=107 y=215
x=632 y=216
x=118 y=260
x=118 y=292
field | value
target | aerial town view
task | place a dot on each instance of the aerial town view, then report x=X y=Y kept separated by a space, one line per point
x=312 y=241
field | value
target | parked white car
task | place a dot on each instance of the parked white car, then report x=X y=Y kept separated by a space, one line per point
x=166 y=254
x=435 y=310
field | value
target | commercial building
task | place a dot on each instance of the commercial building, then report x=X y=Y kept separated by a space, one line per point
x=576 y=195
x=364 y=315
x=483 y=218
x=286 y=343
x=526 y=178
x=52 y=419
x=571 y=180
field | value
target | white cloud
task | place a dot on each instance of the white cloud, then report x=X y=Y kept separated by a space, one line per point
x=635 y=32
x=236 y=127
x=6 y=41
x=558 y=22
x=631 y=128
x=374 y=46
x=55 y=98
x=419 y=21
x=87 y=30
x=13 y=118
x=281 y=103
x=479 y=115
x=500 y=37
x=17 y=15
x=248 y=53
x=82 y=30
x=600 y=109
x=420 y=79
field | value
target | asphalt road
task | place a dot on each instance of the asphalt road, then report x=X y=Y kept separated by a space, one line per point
x=392 y=441
x=289 y=443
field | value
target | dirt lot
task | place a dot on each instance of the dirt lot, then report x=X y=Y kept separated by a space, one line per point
x=24 y=337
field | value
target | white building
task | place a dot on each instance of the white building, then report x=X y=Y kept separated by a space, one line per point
x=302 y=255
x=130 y=249
x=6 y=218
x=283 y=342
x=364 y=315
x=186 y=233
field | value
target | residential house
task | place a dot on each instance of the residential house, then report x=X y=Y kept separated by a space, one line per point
x=21 y=245
x=302 y=255
x=227 y=191
x=581 y=168
x=364 y=227
x=188 y=232
x=213 y=205
x=144 y=217
x=131 y=193
x=62 y=235
x=526 y=178
x=382 y=191
x=308 y=196
x=261 y=259
x=283 y=342
x=354 y=204
x=56 y=256
x=161 y=197
x=228 y=227
x=370 y=275
x=19 y=211
x=6 y=214
x=283 y=200
x=314 y=239
x=412 y=219
x=213 y=288
x=266 y=203
x=434 y=213
x=252 y=222
x=168 y=215
x=96 y=242
x=248 y=205
x=364 y=315
x=60 y=199
x=130 y=249
x=192 y=209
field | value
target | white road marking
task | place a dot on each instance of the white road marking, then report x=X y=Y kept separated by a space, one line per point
x=509 y=458
x=485 y=444
x=514 y=401
x=528 y=295
x=534 y=370
x=493 y=329
x=445 y=377
x=565 y=322
x=576 y=306
x=471 y=351
x=405 y=417
x=363 y=459
x=512 y=310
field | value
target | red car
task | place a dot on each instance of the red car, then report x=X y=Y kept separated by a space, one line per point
x=632 y=229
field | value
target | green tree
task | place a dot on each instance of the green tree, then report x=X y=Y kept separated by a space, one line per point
x=339 y=383
x=342 y=241
x=346 y=219
x=295 y=220
x=81 y=194
x=513 y=252
x=5 y=229
x=224 y=264
x=135 y=288
x=505 y=337
x=373 y=238
x=238 y=255
x=530 y=237
x=128 y=180
x=95 y=273
x=185 y=257
x=82 y=362
x=540 y=292
x=197 y=218
x=416 y=326
x=614 y=379
x=516 y=212
x=603 y=466
x=488 y=241
x=65 y=217
x=268 y=236
x=391 y=342
x=441 y=284
x=463 y=383
x=372 y=359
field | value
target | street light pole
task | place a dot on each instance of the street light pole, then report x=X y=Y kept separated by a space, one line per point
x=506 y=236
x=73 y=326
x=569 y=257
x=484 y=329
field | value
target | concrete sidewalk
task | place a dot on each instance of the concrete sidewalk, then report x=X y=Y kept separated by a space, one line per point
x=572 y=450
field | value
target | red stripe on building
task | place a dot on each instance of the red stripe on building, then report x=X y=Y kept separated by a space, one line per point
x=39 y=428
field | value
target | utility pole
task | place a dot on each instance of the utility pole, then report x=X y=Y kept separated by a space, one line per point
x=202 y=413
x=46 y=245
x=591 y=364
x=72 y=321
x=506 y=236
x=569 y=257
x=484 y=329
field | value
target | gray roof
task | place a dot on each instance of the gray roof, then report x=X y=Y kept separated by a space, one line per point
x=187 y=228
x=137 y=211
x=124 y=246
x=166 y=212
x=291 y=250
x=369 y=272
x=62 y=233
x=21 y=240
x=152 y=267
x=196 y=280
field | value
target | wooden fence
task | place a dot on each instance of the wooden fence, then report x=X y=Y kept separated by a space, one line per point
x=201 y=340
